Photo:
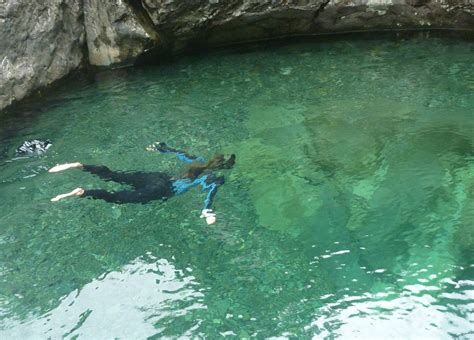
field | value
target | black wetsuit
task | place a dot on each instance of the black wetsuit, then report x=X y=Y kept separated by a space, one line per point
x=148 y=186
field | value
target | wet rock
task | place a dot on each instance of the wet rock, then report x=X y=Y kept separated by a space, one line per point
x=114 y=35
x=188 y=24
x=121 y=30
x=356 y=15
x=41 y=41
x=184 y=25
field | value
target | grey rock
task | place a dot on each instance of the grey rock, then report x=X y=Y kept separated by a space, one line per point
x=40 y=42
x=363 y=15
x=188 y=24
x=114 y=35
x=43 y=40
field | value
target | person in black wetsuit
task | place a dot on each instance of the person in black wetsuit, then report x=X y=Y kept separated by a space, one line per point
x=148 y=186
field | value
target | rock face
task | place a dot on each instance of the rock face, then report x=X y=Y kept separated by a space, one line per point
x=187 y=24
x=44 y=40
x=356 y=15
x=113 y=33
x=41 y=41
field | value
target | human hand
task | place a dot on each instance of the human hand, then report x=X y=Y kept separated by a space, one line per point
x=209 y=216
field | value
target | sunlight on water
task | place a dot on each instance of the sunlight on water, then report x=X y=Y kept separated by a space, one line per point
x=349 y=212
x=149 y=292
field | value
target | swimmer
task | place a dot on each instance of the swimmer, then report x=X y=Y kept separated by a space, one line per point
x=148 y=186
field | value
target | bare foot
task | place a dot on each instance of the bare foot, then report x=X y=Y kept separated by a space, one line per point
x=62 y=167
x=75 y=192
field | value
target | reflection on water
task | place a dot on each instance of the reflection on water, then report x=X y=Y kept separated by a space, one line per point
x=348 y=213
x=413 y=314
x=149 y=292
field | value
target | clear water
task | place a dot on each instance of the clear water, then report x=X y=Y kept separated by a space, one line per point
x=349 y=212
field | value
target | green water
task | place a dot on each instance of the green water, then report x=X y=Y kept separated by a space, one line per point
x=349 y=212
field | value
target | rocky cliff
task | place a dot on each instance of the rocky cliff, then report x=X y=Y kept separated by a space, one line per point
x=44 y=40
x=40 y=42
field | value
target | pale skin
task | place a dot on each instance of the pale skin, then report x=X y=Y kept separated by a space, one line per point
x=62 y=167
x=78 y=192
x=66 y=166
x=206 y=213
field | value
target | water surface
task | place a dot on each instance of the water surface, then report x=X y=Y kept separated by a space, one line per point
x=349 y=212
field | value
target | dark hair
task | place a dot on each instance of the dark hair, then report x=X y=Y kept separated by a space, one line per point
x=217 y=162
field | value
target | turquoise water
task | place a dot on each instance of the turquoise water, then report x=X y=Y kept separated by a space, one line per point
x=349 y=212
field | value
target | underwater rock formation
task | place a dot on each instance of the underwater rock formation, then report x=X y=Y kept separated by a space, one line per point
x=44 y=40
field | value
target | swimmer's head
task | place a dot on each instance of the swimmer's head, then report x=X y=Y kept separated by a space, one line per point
x=217 y=162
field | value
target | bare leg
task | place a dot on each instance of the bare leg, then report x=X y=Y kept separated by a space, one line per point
x=62 y=167
x=76 y=192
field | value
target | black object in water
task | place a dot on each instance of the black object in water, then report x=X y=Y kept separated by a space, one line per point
x=33 y=147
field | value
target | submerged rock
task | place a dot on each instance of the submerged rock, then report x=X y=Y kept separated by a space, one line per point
x=194 y=24
x=281 y=182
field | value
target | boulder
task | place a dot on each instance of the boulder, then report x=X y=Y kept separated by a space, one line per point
x=41 y=41
x=114 y=35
